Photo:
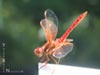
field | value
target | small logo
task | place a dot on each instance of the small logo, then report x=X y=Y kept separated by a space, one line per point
x=4 y=64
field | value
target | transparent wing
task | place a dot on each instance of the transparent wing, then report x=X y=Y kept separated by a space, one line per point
x=51 y=16
x=49 y=25
x=62 y=50
x=49 y=35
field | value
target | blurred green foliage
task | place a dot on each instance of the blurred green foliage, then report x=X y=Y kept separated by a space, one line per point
x=19 y=30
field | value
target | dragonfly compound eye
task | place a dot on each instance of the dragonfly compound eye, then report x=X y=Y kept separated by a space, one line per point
x=38 y=52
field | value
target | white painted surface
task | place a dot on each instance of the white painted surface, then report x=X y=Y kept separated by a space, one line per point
x=53 y=69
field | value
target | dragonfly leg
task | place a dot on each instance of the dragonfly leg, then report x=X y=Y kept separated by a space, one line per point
x=43 y=58
x=58 y=60
x=53 y=59
x=47 y=60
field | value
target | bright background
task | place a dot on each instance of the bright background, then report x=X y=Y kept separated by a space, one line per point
x=21 y=32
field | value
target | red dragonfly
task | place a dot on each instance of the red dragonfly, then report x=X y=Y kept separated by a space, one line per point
x=55 y=48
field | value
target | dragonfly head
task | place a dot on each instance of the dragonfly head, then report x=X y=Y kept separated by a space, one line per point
x=38 y=52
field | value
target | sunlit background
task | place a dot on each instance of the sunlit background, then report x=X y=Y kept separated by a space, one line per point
x=21 y=33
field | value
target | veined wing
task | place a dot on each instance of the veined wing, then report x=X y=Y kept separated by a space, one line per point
x=49 y=25
x=62 y=50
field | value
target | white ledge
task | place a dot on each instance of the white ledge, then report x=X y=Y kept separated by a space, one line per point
x=53 y=69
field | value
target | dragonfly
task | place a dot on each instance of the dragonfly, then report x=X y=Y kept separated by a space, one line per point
x=55 y=48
